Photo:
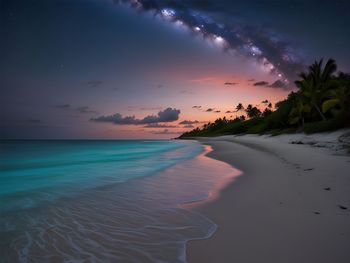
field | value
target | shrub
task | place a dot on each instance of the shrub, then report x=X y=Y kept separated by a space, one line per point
x=322 y=126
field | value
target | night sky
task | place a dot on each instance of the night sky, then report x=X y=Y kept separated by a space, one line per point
x=153 y=69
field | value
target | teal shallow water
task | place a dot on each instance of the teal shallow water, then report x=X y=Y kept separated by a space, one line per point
x=103 y=201
x=32 y=172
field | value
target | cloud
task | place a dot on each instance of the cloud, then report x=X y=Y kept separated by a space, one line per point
x=85 y=109
x=279 y=84
x=62 y=106
x=168 y=115
x=229 y=111
x=212 y=110
x=166 y=131
x=189 y=126
x=230 y=83
x=95 y=83
x=261 y=83
x=118 y=119
x=81 y=109
x=196 y=107
x=251 y=80
x=157 y=125
x=189 y=122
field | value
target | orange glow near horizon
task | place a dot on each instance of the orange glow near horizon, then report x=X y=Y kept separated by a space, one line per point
x=183 y=89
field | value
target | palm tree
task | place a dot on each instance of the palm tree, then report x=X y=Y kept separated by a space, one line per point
x=322 y=75
x=338 y=95
x=266 y=112
x=252 y=112
x=239 y=107
x=242 y=118
x=249 y=109
x=338 y=98
x=298 y=112
x=314 y=83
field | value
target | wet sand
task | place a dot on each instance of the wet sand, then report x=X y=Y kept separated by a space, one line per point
x=291 y=204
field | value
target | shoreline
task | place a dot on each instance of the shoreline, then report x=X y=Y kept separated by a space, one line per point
x=220 y=184
x=291 y=204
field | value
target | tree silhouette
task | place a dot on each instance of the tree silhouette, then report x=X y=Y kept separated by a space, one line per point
x=252 y=112
x=314 y=83
x=239 y=107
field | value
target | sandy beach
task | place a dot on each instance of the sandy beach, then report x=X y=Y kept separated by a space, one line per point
x=291 y=204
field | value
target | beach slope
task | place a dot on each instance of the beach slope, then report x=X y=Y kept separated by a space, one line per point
x=291 y=204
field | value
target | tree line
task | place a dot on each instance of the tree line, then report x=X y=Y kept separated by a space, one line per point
x=321 y=103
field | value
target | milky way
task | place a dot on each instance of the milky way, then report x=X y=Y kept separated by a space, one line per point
x=271 y=50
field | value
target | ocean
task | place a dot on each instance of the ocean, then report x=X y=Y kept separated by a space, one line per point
x=103 y=200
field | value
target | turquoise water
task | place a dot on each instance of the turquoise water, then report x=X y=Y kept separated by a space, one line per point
x=32 y=172
x=103 y=201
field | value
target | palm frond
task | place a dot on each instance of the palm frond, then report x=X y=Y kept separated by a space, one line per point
x=329 y=69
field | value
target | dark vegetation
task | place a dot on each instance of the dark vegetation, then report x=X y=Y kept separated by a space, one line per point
x=321 y=103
